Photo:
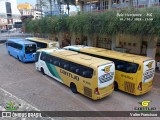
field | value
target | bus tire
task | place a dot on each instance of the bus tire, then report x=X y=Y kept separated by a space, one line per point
x=42 y=71
x=73 y=87
x=115 y=86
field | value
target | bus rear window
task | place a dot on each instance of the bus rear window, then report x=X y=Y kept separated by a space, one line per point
x=30 y=48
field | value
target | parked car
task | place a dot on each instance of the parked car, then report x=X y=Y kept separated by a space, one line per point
x=13 y=29
x=3 y=30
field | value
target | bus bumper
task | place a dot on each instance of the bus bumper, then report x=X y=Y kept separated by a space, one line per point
x=96 y=97
x=145 y=88
x=28 y=60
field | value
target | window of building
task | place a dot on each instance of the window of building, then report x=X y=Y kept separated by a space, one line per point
x=129 y=44
x=134 y=44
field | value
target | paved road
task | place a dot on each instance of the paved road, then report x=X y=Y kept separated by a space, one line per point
x=44 y=93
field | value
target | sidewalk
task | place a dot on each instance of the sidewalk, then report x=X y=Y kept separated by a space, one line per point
x=156 y=79
x=9 y=102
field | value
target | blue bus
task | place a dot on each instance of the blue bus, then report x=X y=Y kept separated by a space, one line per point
x=21 y=49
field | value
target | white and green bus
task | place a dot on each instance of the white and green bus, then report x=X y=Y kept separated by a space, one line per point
x=90 y=76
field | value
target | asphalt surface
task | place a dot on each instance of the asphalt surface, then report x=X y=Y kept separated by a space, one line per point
x=45 y=94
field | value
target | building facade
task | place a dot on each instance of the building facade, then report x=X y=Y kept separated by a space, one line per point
x=103 y=5
x=28 y=10
x=57 y=8
x=9 y=14
x=135 y=44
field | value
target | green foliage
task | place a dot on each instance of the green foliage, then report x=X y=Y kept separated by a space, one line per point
x=100 y=23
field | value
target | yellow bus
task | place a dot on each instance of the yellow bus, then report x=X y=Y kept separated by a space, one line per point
x=90 y=76
x=43 y=43
x=134 y=74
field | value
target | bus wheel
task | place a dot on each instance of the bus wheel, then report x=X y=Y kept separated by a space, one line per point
x=73 y=88
x=42 y=71
x=115 y=86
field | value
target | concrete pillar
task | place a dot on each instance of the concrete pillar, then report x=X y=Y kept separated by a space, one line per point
x=81 y=4
x=109 y=4
x=151 y=48
x=95 y=40
x=92 y=40
x=113 y=46
x=89 y=40
x=73 y=38
x=117 y=40
x=60 y=38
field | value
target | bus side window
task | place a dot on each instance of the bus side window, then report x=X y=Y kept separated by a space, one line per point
x=56 y=63
x=77 y=71
x=43 y=45
x=66 y=66
x=87 y=74
x=38 y=45
x=120 y=65
x=43 y=56
x=73 y=68
x=19 y=47
x=48 y=57
x=51 y=61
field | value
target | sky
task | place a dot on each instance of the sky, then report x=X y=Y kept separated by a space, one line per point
x=32 y=2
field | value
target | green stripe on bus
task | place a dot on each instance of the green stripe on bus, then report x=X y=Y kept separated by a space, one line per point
x=53 y=70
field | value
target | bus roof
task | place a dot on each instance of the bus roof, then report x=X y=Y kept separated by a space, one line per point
x=48 y=50
x=20 y=41
x=36 y=39
x=109 y=53
x=80 y=58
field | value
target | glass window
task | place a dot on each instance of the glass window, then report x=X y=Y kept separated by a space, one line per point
x=37 y=56
x=43 y=56
x=73 y=69
x=31 y=48
x=48 y=57
x=19 y=47
x=87 y=74
x=65 y=64
x=120 y=65
x=131 y=68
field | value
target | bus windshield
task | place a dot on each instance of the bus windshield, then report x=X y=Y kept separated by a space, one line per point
x=31 y=48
